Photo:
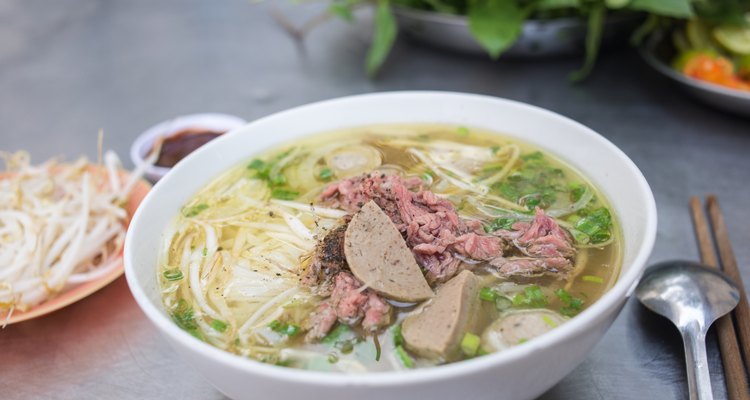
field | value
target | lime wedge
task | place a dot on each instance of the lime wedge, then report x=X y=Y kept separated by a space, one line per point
x=734 y=39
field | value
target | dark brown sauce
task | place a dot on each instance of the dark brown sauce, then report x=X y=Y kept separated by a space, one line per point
x=177 y=146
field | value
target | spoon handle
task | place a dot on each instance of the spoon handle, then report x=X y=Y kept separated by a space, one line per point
x=699 y=380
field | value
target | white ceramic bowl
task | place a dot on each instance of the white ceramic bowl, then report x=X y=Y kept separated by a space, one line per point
x=522 y=372
x=145 y=141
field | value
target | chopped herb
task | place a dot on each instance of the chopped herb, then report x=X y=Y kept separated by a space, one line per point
x=194 y=210
x=576 y=191
x=338 y=333
x=325 y=174
x=264 y=170
x=571 y=305
x=534 y=183
x=184 y=317
x=284 y=194
x=257 y=165
x=173 y=274
x=285 y=329
x=547 y=320
x=592 y=278
x=482 y=351
x=494 y=148
x=219 y=326
x=341 y=337
x=470 y=344
x=404 y=357
x=596 y=224
x=487 y=294
x=498 y=224
x=205 y=252
x=532 y=297
x=522 y=340
x=463 y=131
x=427 y=176
x=398 y=338
x=333 y=358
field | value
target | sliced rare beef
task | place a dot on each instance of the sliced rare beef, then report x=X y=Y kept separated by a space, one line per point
x=378 y=256
x=545 y=248
x=438 y=237
x=348 y=304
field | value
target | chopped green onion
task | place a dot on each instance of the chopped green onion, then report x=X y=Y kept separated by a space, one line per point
x=522 y=340
x=470 y=344
x=219 y=326
x=592 y=278
x=487 y=294
x=173 y=274
x=277 y=180
x=194 y=210
x=333 y=358
x=205 y=252
x=284 y=194
x=494 y=148
x=340 y=332
x=279 y=327
x=547 y=320
x=398 y=338
x=463 y=131
x=404 y=357
x=325 y=174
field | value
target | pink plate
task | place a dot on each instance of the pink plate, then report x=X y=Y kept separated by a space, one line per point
x=83 y=290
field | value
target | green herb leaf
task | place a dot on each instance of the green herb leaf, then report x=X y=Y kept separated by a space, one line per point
x=668 y=8
x=496 y=24
x=532 y=297
x=499 y=224
x=596 y=224
x=340 y=332
x=593 y=42
x=219 y=326
x=325 y=174
x=383 y=38
x=184 y=317
x=173 y=274
x=194 y=210
x=284 y=194
x=571 y=305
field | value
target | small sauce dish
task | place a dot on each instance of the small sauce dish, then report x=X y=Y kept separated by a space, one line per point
x=178 y=137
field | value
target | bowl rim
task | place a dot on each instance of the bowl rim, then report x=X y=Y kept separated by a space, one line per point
x=598 y=311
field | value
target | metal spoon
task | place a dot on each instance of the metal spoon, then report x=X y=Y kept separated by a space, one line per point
x=692 y=296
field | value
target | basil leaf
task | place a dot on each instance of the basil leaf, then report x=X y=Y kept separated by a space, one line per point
x=496 y=24
x=669 y=8
x=593 y=42
x=383 y=38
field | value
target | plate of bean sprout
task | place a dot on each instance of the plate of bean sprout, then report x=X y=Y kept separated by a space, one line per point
x=62 y=229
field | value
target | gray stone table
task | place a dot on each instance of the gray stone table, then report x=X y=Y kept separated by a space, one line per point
x=71 y=67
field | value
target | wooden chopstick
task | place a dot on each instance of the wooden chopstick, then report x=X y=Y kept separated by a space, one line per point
x=737 y=388
x=729 y=264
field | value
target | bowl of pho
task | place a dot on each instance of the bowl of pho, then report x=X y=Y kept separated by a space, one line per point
x=393 y=245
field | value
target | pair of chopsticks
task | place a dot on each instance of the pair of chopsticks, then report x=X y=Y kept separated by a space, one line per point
x=733 y=329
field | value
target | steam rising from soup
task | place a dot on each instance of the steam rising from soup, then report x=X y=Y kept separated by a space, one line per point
x=388 y=248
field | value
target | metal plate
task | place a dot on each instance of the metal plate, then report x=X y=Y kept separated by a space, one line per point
x=539 y=38
x=735 y=101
